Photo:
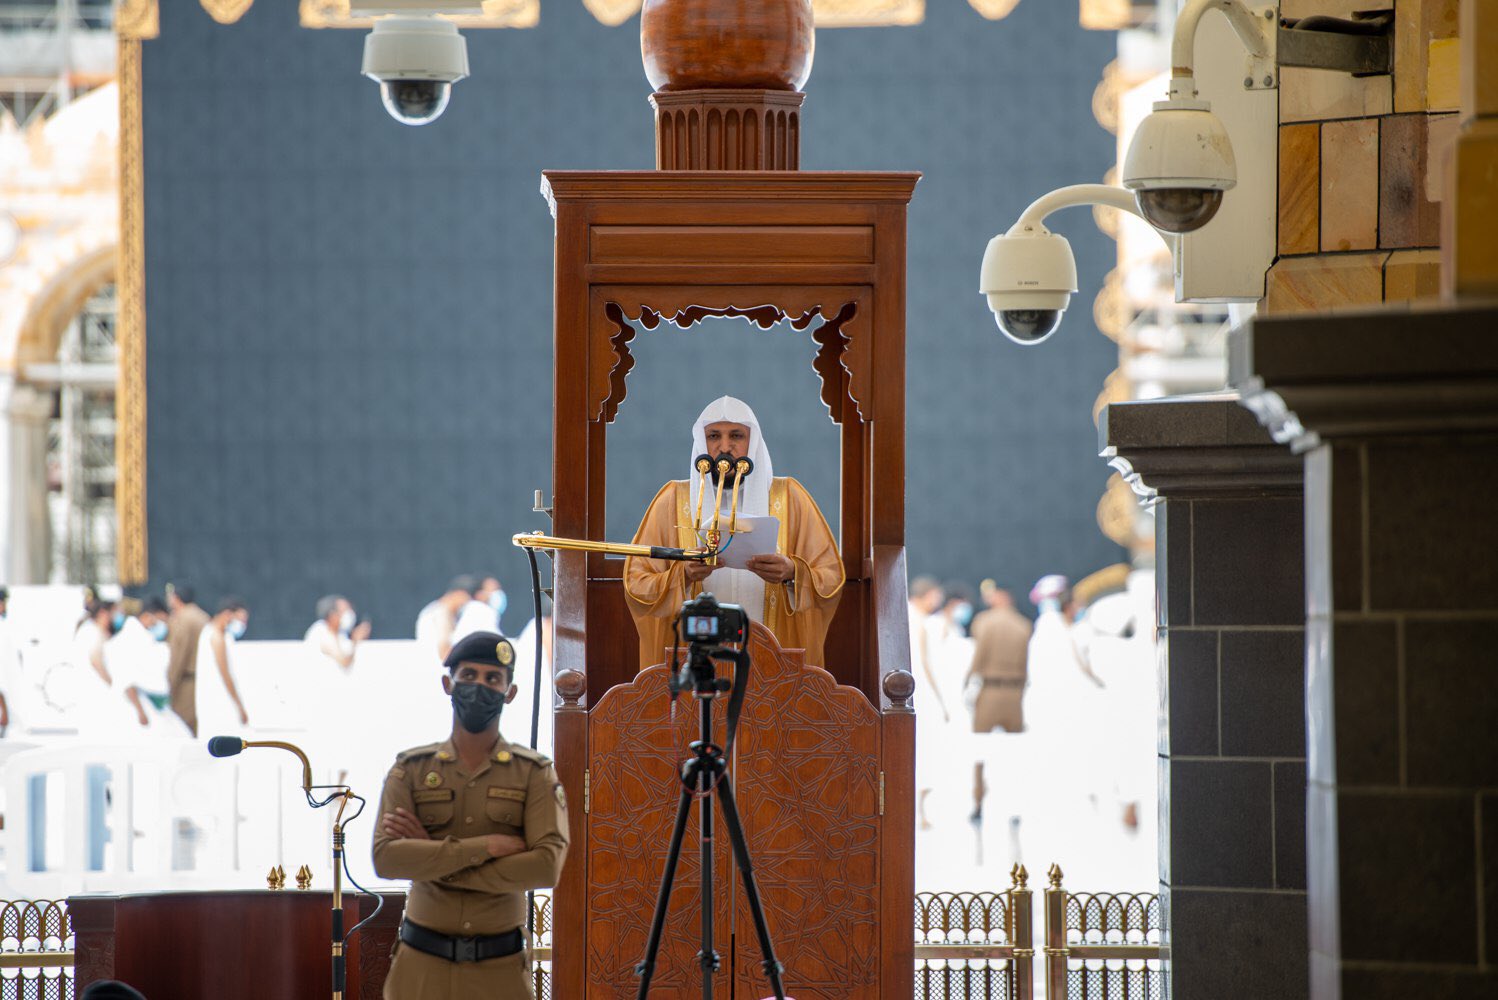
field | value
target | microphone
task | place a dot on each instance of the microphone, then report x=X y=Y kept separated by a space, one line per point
x=702 y=463
x=229 y=746
x=225 y=746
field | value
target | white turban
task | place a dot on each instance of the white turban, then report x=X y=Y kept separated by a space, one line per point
x=754 y=494
x=736 y=586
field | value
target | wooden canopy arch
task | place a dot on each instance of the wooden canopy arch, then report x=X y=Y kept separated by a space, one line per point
x=826 y=252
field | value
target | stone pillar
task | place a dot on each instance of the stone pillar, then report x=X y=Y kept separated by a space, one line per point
x=1397 y=416
x=29 y=526
x=1228 y=557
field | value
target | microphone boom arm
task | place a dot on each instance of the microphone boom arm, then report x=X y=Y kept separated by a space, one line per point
x=542 y=541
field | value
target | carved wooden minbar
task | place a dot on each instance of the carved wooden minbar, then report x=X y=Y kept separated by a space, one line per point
x=825 y=767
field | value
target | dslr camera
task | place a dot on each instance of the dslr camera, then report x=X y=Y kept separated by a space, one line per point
x=706 y=622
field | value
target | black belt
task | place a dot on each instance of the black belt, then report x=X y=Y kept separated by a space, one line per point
x=1003 y=682
x=461 y=949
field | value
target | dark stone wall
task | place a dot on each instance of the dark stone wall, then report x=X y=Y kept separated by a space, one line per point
x=349 y=321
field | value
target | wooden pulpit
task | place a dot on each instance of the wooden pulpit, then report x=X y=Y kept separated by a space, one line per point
x=249 y=945
x=824 y=768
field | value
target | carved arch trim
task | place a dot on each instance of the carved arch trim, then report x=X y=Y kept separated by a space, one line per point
x=843 y=337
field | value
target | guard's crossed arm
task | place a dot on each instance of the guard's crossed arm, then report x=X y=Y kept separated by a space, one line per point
x=540 y=864
x=405 y=857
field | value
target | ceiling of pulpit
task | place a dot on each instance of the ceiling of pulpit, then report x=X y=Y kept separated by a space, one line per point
x=349 y=321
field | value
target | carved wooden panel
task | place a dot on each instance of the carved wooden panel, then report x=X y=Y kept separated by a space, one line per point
x=634 y=750
x=807 y=773
x=807 y=784
x=843 y=337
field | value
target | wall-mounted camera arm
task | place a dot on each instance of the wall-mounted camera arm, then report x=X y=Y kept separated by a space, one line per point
x=1255 y=28
x=1033 y=217
x=1362 y=46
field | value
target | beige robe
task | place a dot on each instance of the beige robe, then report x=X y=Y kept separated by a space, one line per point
x=798 y=612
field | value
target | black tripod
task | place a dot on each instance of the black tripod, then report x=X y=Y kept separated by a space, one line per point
x=706 y=773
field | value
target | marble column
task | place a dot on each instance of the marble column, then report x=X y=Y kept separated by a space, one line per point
x=1396 y=414
x=28 y=527
x=1228 y=557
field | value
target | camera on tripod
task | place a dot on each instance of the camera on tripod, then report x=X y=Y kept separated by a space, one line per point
x=706 y=621
x=707 y=626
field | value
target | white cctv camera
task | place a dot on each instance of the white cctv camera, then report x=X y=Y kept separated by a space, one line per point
x=1179 y=164
x=416 y=61
x=1181 y=160
x=1029 y=275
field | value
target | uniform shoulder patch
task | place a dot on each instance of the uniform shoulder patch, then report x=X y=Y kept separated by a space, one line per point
x=534 y=756
x=406 y=756
x=561 y=794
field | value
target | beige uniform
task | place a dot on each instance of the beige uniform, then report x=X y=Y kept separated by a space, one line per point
x=1001 y=649
x=456 y=887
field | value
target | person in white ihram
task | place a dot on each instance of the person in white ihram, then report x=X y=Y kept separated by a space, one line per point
x=221 y=710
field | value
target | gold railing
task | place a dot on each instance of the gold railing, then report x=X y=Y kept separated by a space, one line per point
x=975 y=944
x=969 y=945
x=1101 y=946
x=36 y=950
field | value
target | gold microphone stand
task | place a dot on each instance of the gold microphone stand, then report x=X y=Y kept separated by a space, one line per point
x=228 y=746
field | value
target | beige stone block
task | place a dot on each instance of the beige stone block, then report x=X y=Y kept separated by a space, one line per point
x=1412 y=274
x=1469 y=214
x=1349 y=185
x=1320 y=94
x=1325 y=283
x=1442 y=138
x=1416 y=24
x=1443 y=90
x=1300 y=189
x=1478 y=32
x=1407 y=217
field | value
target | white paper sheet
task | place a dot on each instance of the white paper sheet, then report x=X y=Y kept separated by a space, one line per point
x=756 y=536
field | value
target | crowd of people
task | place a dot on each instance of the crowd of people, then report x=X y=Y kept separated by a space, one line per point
x=984 y=677
x=166 y=666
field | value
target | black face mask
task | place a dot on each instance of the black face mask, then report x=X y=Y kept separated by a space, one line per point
x=476 y=706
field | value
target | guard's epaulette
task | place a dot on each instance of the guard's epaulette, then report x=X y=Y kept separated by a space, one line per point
x=534 y=756
x=414 y=752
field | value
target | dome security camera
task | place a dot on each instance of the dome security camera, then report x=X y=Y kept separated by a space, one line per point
x=416 y=61
x=1179 y=164
x=1029 y=275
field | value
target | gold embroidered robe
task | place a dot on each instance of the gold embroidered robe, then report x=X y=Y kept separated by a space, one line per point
x=798 y=611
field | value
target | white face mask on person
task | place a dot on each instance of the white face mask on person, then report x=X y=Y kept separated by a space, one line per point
x=235 y=628
x=347 y=621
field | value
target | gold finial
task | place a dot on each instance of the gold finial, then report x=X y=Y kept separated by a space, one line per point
x=276 y=878
x=1055 y=876
x=304 y=877
x=1018 y=877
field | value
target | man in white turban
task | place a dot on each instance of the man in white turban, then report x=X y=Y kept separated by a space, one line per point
x=792 y=591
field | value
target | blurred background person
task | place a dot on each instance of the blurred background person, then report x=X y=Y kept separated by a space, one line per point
x=1000 y=657
x=436 y=622
x=932 y=714
x=220 y=709
x=184 y=629
x=336 y=634
x=483 y=612
x=137 y=657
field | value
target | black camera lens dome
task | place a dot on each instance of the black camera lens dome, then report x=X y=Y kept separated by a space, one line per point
x=1028 y=326
x=415 y=102
x=1178 y=210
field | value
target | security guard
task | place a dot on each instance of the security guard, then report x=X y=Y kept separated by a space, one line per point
x=473 y=822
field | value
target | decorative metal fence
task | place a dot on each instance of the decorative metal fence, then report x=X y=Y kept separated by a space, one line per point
x=969 y=945
x=1102 y=946
x=36 y=950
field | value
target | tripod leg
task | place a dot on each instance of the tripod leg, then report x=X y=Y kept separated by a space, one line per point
x=756 y=910
x=646 y=968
